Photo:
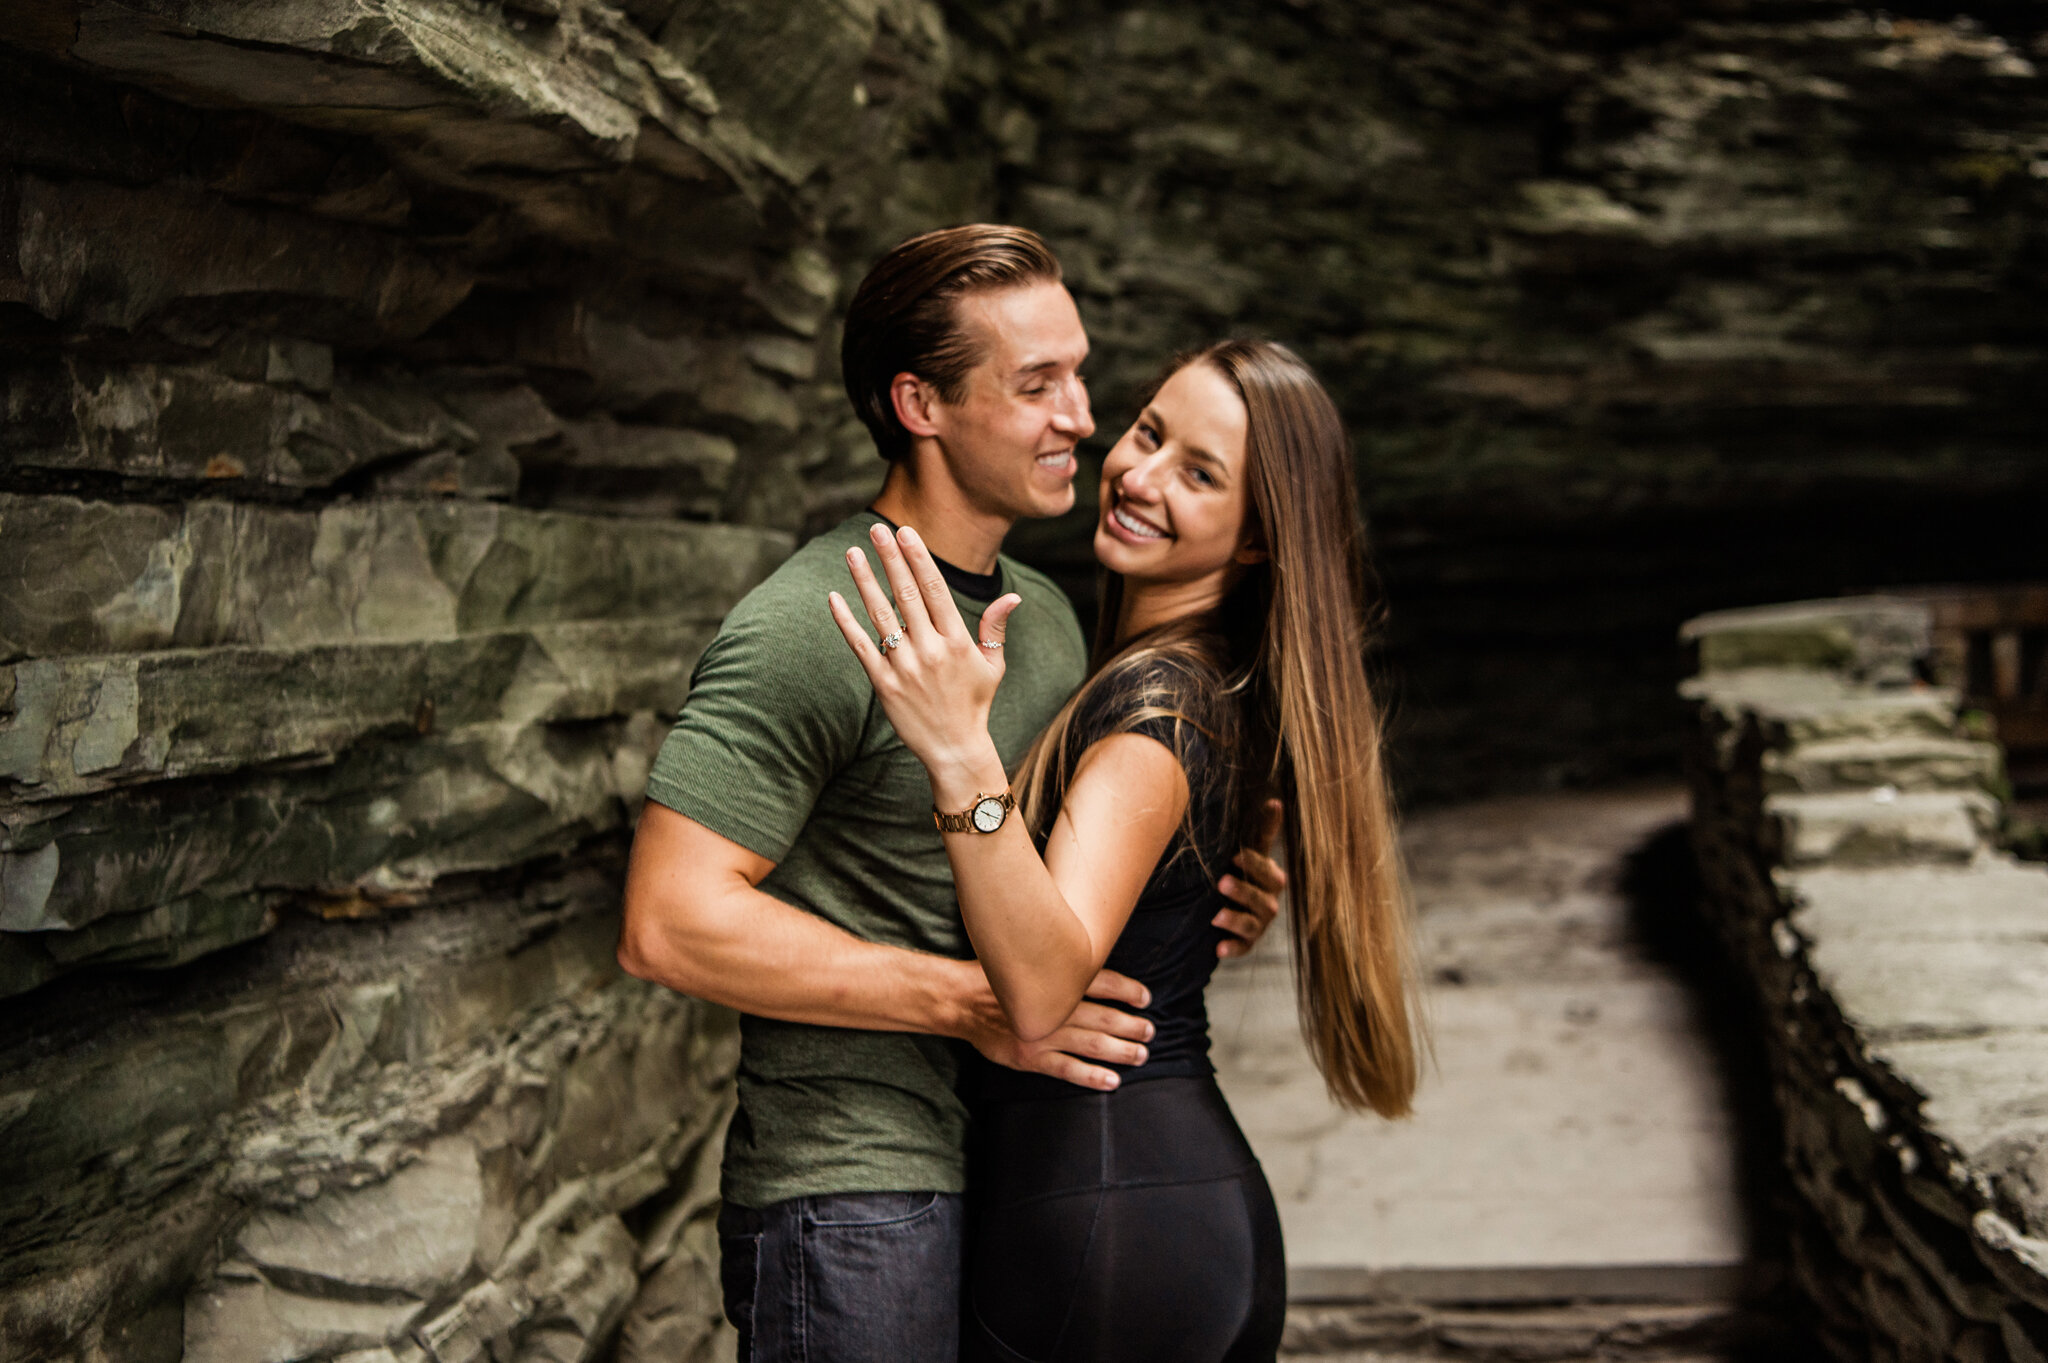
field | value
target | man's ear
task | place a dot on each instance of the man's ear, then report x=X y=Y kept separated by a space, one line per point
x=916 y=403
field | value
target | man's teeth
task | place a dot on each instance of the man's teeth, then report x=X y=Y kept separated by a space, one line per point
x=1137 y=527
x=1054 y=460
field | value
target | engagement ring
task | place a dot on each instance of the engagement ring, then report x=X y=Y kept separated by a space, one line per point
x=892 y=641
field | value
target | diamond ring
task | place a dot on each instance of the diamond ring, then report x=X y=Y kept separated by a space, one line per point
x=892 y=641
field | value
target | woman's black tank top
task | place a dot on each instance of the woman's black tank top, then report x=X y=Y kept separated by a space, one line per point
x=1169 y=944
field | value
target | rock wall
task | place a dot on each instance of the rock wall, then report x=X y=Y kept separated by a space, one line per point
x=1635 y=310
x=1841 y=821
x=397 y=392
x=396 y=397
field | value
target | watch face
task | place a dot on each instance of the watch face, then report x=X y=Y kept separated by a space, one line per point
x=988 y=815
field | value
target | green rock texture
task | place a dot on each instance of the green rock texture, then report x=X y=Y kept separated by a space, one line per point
x=396 y=397
x=397 y=392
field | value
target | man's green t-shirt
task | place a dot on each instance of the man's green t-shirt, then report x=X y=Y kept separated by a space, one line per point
x=783 y=749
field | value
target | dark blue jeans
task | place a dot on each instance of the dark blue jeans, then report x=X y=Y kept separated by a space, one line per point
x=845 y=1278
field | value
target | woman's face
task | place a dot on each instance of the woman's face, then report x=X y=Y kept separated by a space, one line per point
x=1173 y=490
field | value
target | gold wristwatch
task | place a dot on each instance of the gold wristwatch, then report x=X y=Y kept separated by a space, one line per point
x=985 y=815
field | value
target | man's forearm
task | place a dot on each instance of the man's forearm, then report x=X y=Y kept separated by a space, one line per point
x=751 y=951
x=695 y=922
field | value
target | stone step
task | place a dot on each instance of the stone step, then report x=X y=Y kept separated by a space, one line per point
x=1992 y=897
x=1791 y=707
x=1885 y=825
x=1916 y=762
x=1557 y=1329
x=1872 y=638
x=1377 y=1355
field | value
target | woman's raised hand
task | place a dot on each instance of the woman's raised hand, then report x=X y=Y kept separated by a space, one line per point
x=936 y=681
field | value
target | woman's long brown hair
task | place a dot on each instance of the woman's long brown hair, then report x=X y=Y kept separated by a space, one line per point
x=1309 y=730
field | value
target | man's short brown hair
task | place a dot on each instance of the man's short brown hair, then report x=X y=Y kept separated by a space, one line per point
x=903 y=318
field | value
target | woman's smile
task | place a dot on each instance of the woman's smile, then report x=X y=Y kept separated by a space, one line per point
x=1128 y=526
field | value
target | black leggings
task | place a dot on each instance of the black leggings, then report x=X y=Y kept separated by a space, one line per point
x=1125 y=1227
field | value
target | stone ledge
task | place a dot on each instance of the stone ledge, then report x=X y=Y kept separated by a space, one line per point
x=1908 y=763
x=576 y=90
x=1484 y=1328
x=1900 y=966
x=254 y=418
x=84 y=725
x=1880 y=825
x=102 y=577
x=1867 y=639
x=155 y=876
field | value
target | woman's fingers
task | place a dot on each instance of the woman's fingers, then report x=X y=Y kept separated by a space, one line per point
x=911 y=602
x=856 y=637
x=995 y=628
x=873 y=595
x=931 y=584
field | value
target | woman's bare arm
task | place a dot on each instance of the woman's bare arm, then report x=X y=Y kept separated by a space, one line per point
x=695 y=922
x=1041 y=928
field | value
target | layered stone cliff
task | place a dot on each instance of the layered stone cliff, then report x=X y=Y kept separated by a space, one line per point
x=396 y=397
x=397 y=392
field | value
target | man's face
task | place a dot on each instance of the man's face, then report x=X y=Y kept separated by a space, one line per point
x=1009 y=441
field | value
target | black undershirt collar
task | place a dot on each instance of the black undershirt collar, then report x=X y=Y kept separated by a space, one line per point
x=982 y=587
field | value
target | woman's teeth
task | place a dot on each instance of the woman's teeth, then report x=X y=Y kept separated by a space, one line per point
x=1137 y=527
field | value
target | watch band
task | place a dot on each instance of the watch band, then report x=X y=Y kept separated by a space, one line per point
x=963 y=822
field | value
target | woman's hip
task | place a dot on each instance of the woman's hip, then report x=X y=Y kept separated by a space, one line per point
x=1191 y=1271
x=1149 y=1133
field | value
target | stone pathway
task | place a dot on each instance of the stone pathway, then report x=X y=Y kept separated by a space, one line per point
x=1573 y=1141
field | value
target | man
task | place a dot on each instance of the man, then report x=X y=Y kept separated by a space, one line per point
x=787 y=863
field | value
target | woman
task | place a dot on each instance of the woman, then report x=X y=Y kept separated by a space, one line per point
x=1134 y=1224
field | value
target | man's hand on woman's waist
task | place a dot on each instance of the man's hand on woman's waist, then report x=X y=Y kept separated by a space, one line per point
x=1095 y=1031
x=1256 y=892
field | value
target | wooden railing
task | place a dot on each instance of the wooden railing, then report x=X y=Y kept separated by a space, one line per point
x=1991 y=645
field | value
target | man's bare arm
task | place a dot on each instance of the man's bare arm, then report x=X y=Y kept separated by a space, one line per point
x=696 y=922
